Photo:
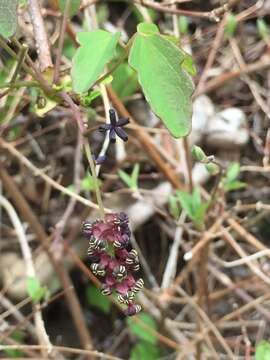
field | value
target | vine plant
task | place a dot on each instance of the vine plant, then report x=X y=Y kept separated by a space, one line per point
x=164 y=72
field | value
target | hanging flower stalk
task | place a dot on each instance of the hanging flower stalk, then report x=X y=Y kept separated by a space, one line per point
x=112 y=258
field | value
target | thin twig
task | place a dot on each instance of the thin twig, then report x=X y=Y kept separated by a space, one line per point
x=254 y=268
x=30 y=269
x=65 y=16
x=225 y=77
x=40 y=35
x=21 y=56
x=90 y=160
x=212 y=15
x=60 y=226
x=95 y=354
x=37 y=172
x=211 y=57
x=209 y=323
x=170 y=269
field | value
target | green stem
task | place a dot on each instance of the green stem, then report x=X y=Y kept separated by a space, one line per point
x=216 y=186
x=19 y=84
x=21 y=56
x=89 y=157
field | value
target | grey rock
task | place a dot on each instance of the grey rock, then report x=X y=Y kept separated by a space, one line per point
x=227 y=129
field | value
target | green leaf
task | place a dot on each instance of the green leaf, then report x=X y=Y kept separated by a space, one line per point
x=88 y=183
x=96 y=50
x=193 y=205
x=262 y=351
x=234 y=185
x=185 y=200
x=199 y=214
x=174 y=206
x=147 y=29
x=196 y=198
x=263 y=29
x=74 y=6
x=188 y=64
x=19 y=337
x=130 y=180
x=13 y=353
x=198 y=154
x=230 y=182
x=8 y=17
x=213 y=169
x=144 y=350
x=125 y=178
x=34 y=289
x=230 y=26
x=167 y=86
x=95 y=298
x=135 y=175
x=71 y=187
x=69 y=49
x=232 y=171
x=140 y=331
x=125 y=81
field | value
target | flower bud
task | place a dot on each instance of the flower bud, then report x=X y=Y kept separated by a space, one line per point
x=198 y=154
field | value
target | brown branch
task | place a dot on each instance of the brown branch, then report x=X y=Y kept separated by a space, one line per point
x=61 y=42
x=212 y=54
x=223 y=78
x=61 y=224
x=212 y=15
x=40 y=34
x=94 y=354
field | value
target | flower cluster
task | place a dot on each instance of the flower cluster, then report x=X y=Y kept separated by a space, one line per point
x=113 y=259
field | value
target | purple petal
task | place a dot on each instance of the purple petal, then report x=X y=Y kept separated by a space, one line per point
x=132 y=309
x=99 y=159
x=122 y=288
x=112 y=115
x=122 y=122
x=112 y=136
x=121 y=133
x=105 y=127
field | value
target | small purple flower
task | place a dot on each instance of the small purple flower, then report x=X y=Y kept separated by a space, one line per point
x=112 y=258
x=132 y=309
x=115 y=127
x=99 y=159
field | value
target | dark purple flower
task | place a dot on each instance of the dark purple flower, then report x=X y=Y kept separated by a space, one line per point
x=132 y=309
x=113 y=259
x=99 y=159
x=115 y=127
